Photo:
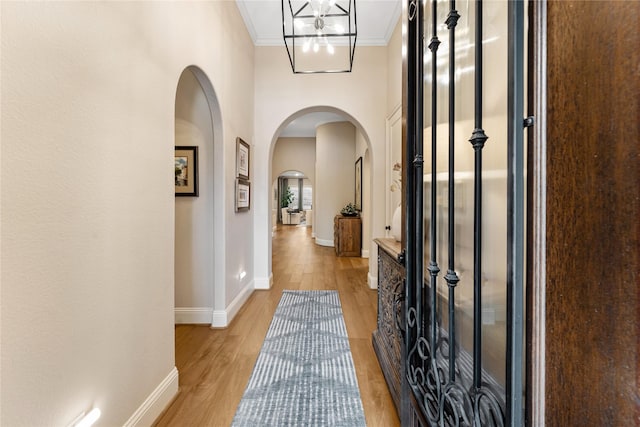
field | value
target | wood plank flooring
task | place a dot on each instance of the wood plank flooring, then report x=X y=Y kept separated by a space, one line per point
x=215 y=364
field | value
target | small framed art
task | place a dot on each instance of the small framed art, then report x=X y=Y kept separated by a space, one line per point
x=243 y=195
x=242 y=159
x=186 y=171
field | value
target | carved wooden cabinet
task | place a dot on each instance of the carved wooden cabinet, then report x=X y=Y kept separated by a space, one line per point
x=347 y=235
x=387 y=339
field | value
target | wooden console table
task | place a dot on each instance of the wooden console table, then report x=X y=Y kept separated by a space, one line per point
x=347 y=235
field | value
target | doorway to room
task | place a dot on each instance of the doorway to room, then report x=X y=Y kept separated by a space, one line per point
x=198 y=221
x=330 y=149
x=293 y=194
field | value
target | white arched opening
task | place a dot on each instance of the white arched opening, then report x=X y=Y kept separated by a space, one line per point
x=199 y=220
x=361 y=148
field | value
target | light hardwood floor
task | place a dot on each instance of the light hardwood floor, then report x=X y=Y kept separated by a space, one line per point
x=215 y=364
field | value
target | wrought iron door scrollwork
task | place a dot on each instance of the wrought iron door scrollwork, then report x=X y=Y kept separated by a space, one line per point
x=413 y=9
x=448 y=383
x=487 y=407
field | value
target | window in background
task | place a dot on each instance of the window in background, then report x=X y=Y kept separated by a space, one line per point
x=295 y=190
x=307 y=195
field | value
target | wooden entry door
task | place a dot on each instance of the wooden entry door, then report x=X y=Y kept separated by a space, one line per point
x=587 y=285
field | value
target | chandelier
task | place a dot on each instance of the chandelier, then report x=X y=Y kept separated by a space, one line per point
x=320 y=35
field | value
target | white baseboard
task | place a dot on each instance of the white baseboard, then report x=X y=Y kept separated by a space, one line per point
x=373 y=281
x=323 y=242
x=157 y=401
x=263 y=282
x=222 y=318
x=219 y=319
x=313 y=235
x=193 y=315
x=364 y=253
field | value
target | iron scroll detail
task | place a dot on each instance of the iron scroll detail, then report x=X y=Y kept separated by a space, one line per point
x=448 y=383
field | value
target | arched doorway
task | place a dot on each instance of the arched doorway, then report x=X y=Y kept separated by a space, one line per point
x=359 y=149
x=293 y=199
x=198 y=265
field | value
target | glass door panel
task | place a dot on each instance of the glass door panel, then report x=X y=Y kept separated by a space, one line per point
x=457 y=352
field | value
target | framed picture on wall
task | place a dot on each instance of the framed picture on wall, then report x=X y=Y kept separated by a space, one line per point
x=242 y=159
x=186 y=171
x=243 y=195
x=358 y=197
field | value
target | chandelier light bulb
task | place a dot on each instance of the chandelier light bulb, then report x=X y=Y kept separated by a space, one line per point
x=306 y=45
x=330 y=49
x=316 y=47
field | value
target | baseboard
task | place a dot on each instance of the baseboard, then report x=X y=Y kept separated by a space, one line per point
x=157 y=401
x=364 y=253
x=373 y=281
x=323 y=242
x=222 y=318
x=313 y=235
x=193 y=315
x=219 y=319
x=263 y=282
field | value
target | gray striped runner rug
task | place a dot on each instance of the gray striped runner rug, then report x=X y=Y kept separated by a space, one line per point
x=304 y=375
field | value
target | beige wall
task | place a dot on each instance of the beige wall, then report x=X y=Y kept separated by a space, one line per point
x=87 y=226
x=335 y=153
x=297 y=154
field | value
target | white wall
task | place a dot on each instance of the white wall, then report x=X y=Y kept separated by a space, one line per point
x=87 y=226
x=361 y=96
x=335 y=186
x=194 y=235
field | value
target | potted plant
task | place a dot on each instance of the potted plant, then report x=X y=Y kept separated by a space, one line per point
x=349 y=210
x=287 y=198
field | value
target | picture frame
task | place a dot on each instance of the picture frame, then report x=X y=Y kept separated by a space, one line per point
x=243 y=153
x=358 y=184
x=186 y=171
x=243 y=195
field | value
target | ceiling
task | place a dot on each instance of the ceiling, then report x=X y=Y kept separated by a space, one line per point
x=377 y=20
x=305 y=126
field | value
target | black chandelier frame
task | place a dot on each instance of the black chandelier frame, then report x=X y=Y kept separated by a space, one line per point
x=306 y=12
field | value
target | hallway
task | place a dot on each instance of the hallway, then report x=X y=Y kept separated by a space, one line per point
x=215 y=365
